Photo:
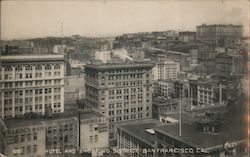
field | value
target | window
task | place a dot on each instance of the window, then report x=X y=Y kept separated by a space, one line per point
x=96 y=138
x=8 y=69
x=47 y=67
x=91 y=127
x=91 y=139
x=35 y=148
x=57 y=67
x=28 y=68
x=66 y=138
x=22 y=152
x=28 y=149
x=19 y=68
x=49 y=129
x=28 y=137
x=34 y=136
x=22 y=138
x=38 y=67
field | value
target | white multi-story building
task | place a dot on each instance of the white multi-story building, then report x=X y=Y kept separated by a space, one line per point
x=210 y=92
x=166 y=70
x=121 y=91
x=31 y=83
x=104 y=56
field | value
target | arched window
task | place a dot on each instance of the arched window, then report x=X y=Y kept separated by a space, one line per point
x=48 y=67
x=19 y=68
x=57 y=66
x=28 y=67
x=9 y=68
x=38 y=67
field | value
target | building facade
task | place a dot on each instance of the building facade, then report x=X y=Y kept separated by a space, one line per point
x=31 y=83
x=121 y=91
x=164 y=88
x=62 y=135
x=24 y=138
x=229 y=64
x=220 y=35
x=210 y=92
x=187 y=36
x=166 y=70
x=94 y=132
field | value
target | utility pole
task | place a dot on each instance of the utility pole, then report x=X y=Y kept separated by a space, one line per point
x=61 y=37
x=180 y=112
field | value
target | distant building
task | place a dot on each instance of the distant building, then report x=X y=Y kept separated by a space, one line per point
x=187 y=36
x=31 y=83
x=195 y=57
x=137 y=54
x=220 y=35
x=207 y=53
x=164 y=88
x=166 y=70
x=74 y=88
x=210 y=92
x=59 y=49
x=229 y=64
x=121 y=91
x=104 y=56
x=162 y=106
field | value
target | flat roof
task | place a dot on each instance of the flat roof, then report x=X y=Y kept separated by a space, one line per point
x=164 y=102
x=138 y=131
x=116 y=66
x=31 y=57
x=16 y=122
x=219 y=25
x=89 y=114
x=193 y=137
x=21 y=122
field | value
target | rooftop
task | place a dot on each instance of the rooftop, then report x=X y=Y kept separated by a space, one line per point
x=31 y=57
x=141 y=131
x=231 y=126
x=110 y=66
x=89 y=114
x=36 y=120
x=219 y=25
x=165 y=102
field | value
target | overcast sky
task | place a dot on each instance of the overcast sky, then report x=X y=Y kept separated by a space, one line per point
x=28 y=19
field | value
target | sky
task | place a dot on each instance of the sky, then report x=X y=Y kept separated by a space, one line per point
x=22 y=19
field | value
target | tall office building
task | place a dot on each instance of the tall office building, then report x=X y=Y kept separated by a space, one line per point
x=31 y=83
x=121 y=91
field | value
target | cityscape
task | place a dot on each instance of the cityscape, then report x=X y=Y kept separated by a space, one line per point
x=170 y=93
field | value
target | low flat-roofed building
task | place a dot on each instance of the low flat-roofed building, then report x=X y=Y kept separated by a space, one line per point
x=62 y=134
x=25 y=137
x=163 y=106
x=164 y=88
x=94 y=133
x=206 y=138
x=33 y=135
x=134 y=138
